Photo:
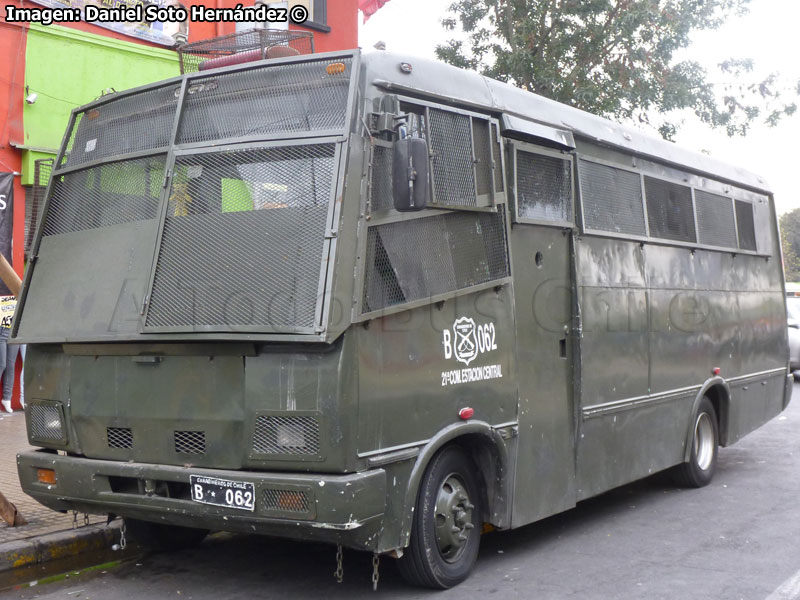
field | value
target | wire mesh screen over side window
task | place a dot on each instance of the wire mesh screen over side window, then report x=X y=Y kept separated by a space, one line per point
x=243 y=240
x=452 y=164
x=133 y=123
x=381 y=195
x=105 y=195
x=544 y=187
x=482 y=148
x=420 y=258
x=715 y=220
x=298 y=97
x=670 y=213
x=498 y=162
x=612 y=199
x=746 y=224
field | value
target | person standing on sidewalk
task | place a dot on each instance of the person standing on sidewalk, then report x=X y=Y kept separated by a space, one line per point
x=8 y=354
x=8 y=304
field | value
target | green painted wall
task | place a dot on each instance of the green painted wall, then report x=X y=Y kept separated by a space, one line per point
x=67 y=68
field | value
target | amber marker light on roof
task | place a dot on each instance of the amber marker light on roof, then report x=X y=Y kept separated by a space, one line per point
x=46 y=476
x=336 y=68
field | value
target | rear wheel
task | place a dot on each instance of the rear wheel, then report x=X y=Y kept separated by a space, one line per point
x=161 y=537
x=447 y=521
x=699 y=469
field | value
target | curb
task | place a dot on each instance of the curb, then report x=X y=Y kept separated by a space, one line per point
x=37 y=550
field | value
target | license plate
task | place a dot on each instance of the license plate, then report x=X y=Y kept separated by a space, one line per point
x=223 y=492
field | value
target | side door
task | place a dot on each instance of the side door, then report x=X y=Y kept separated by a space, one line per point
x=541 y=240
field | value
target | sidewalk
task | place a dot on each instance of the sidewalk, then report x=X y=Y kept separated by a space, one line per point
x=41 y=520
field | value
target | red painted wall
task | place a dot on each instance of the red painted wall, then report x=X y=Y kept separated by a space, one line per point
x=12 y=94
x=343 y=21
x=12 y=75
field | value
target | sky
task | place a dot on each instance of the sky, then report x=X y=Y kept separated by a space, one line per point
x=768 y=34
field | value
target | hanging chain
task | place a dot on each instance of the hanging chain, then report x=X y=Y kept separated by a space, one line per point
x=74 y=519
x=339 y=572
x=122 y=541
x=376 y=561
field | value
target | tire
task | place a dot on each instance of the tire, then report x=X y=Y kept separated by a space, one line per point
x=699 y=469
x=163 y=538
x=445 y=533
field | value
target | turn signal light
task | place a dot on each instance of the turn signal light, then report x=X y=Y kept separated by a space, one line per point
x=466 y=413
x=716 y=371
x=291 y=501
x=336 y=68
x=46 y=476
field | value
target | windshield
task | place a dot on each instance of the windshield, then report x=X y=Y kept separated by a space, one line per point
x=194 y=205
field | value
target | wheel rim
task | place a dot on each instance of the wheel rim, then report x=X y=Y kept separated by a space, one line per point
x=704 y=441
x=453 y=518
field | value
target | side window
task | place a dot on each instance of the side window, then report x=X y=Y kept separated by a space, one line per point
x=460 y=241
x=461 y=159
x=542 y=185
x=716 y=223
x=746 y=225
x=612 y=199
x=466 y=159
x=670 y=213
x=627 y=202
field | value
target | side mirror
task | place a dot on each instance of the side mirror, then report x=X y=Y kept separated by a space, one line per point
x=410 y=174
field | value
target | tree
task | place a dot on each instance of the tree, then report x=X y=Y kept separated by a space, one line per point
x=790 y=240
x=612 y=57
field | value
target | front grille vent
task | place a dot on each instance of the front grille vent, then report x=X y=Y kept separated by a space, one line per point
x=286 y=435
x=190 y=442
x=286 y=500
x=45 y=422
x=119 y=437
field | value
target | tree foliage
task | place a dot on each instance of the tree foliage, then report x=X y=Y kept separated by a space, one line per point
x=790 y=240
x=613 y=57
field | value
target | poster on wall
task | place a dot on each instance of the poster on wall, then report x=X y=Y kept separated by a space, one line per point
x=157 y=32
x=6 y=220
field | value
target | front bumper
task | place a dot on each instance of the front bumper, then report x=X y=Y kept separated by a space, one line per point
x=343 y=509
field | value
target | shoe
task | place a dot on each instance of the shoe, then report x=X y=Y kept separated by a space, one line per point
x=7 y=405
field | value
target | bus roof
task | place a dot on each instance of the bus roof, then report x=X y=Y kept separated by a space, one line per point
x=468 y=88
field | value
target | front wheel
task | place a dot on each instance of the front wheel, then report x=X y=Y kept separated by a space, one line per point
x=446 y=530
x=699 y=469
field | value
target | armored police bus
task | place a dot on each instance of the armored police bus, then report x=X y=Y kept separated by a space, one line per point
x=380 y=303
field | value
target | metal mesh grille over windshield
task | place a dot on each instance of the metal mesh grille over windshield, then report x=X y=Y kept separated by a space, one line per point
x=108 y=194
x=612 y=199
x=715 y=219
x=416 y=259
x=243 y=240
x=296 y=97
x=131 y=123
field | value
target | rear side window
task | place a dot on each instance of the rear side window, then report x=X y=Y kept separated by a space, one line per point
x=669 y=210
x=715 y=221
x=628 y=202
x=746 y=225
x=612 y=199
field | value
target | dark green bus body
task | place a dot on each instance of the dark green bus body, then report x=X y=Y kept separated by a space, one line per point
x=313 y=341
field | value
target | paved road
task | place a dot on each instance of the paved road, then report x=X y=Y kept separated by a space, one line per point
x=737 y=538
